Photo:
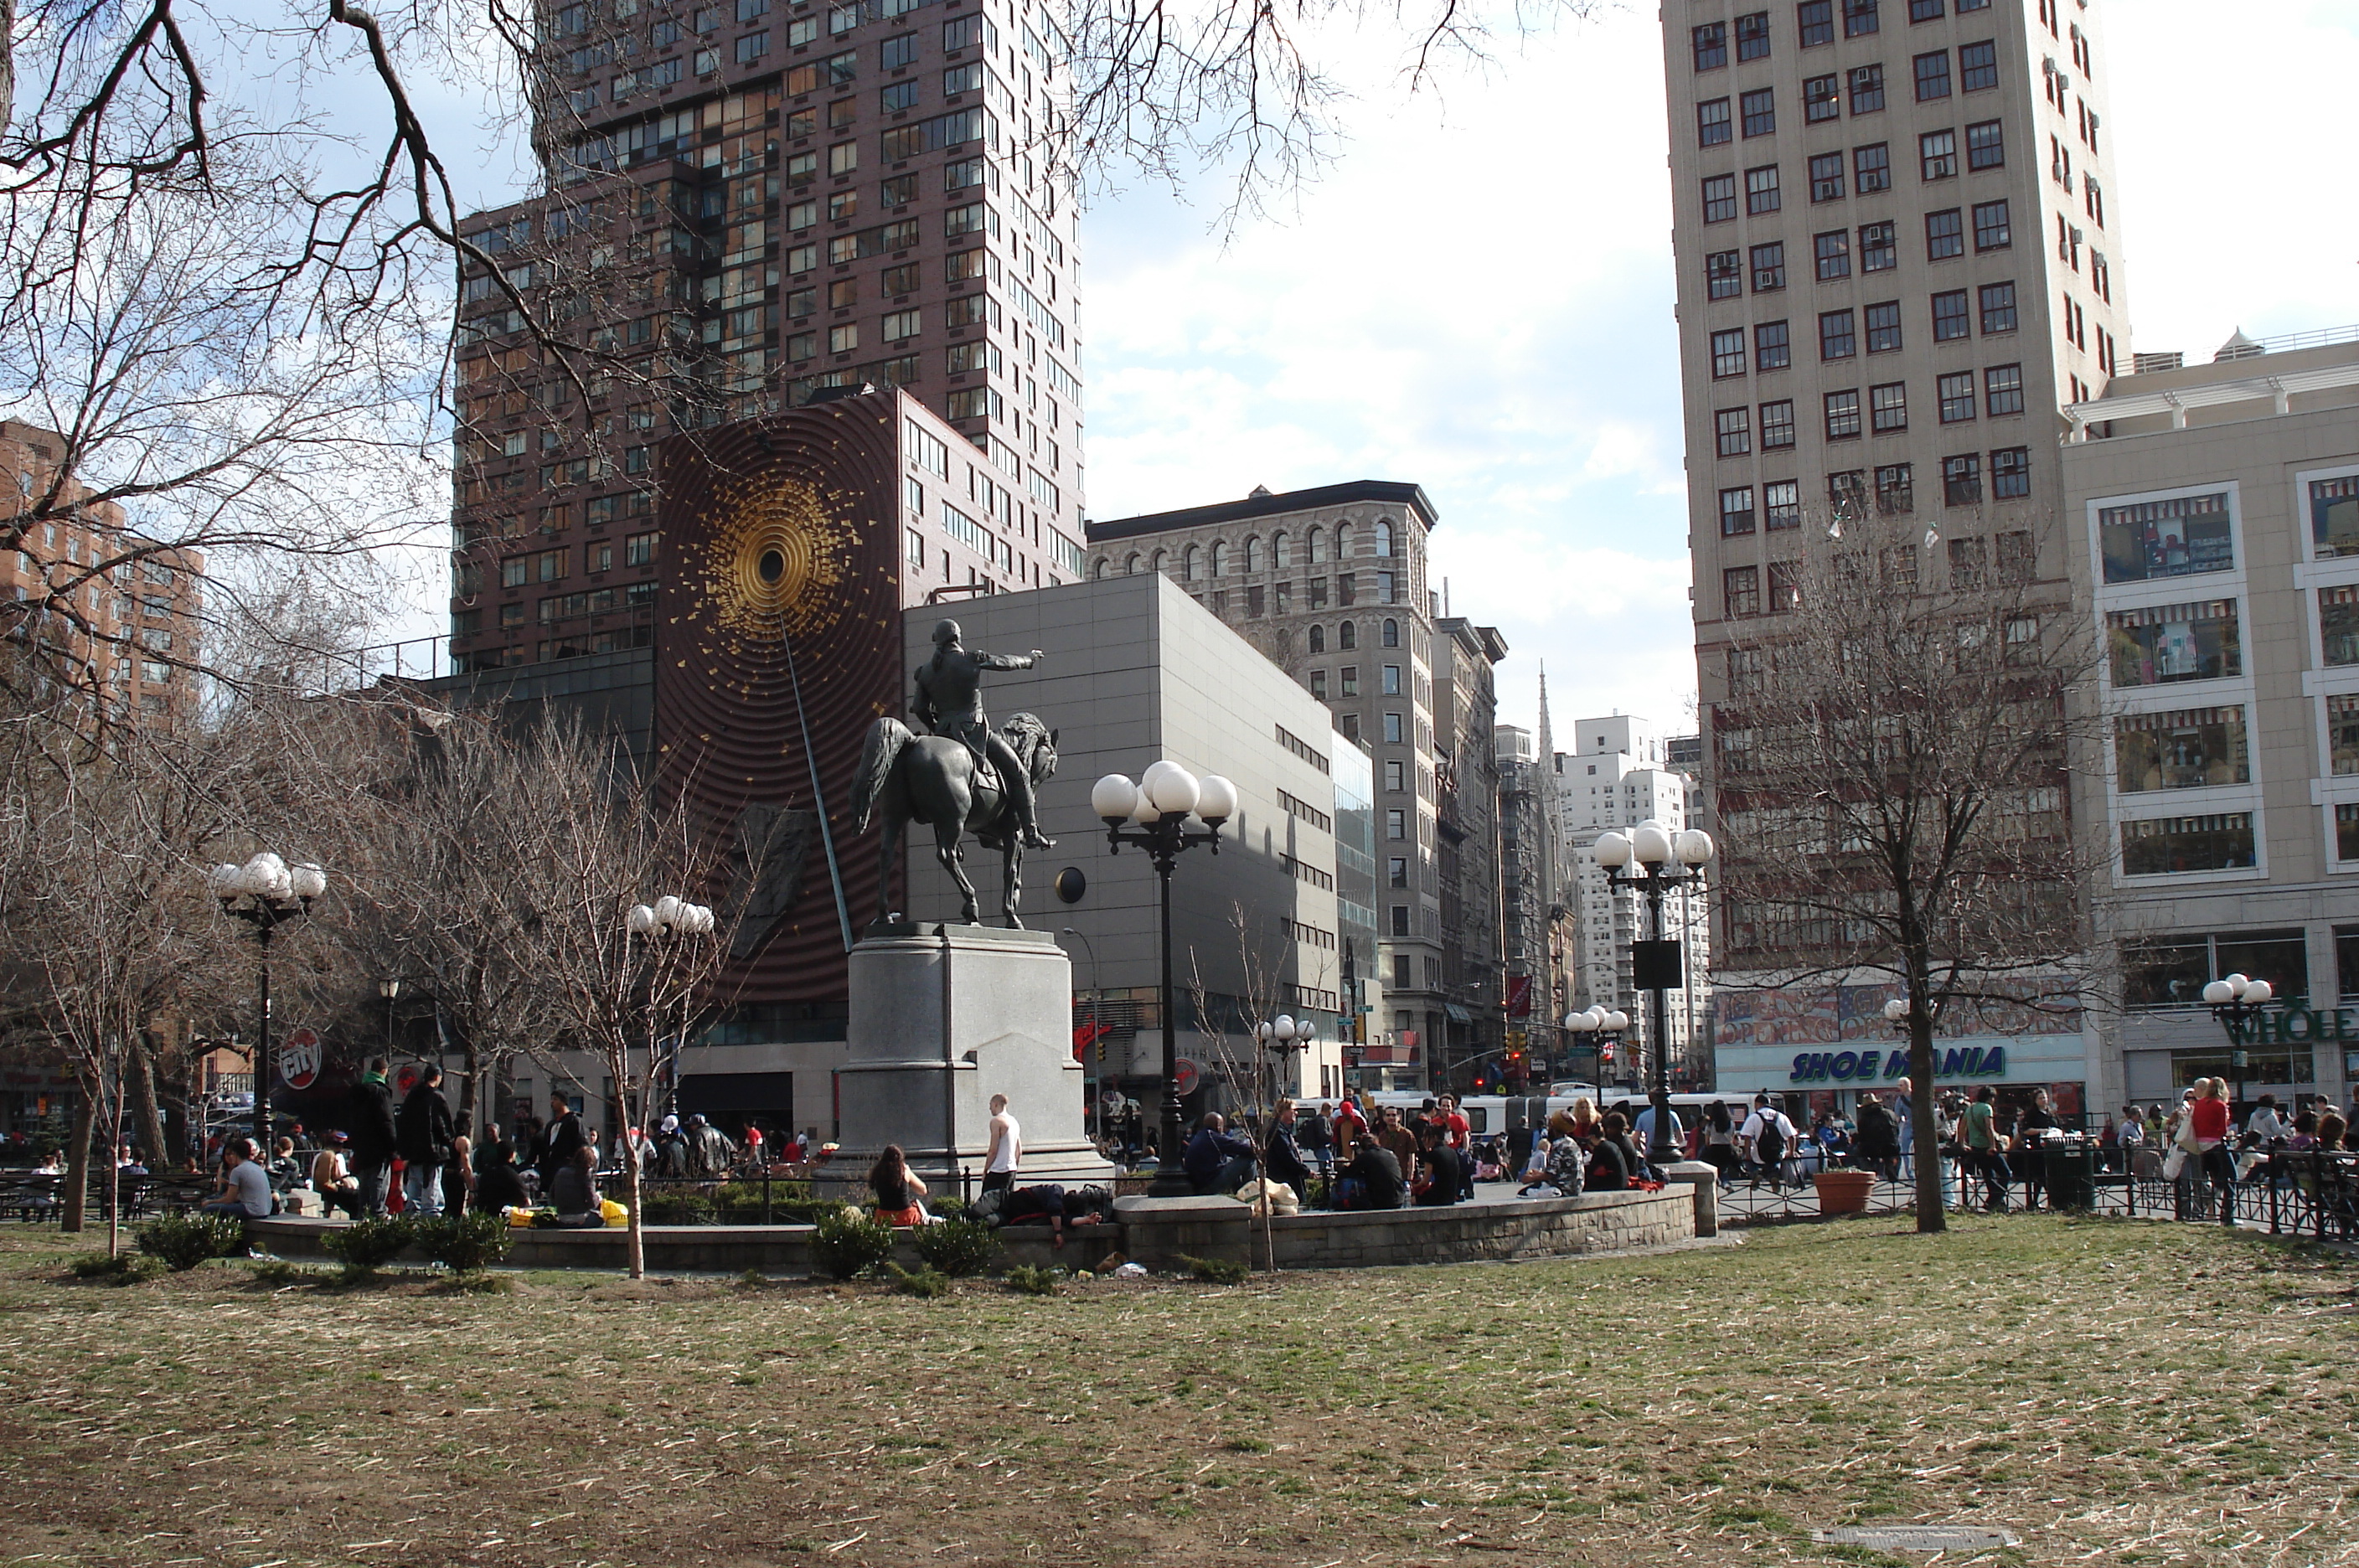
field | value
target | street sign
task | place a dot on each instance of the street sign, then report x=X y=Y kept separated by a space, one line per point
x=405 y=1079
x=298 y=1059
x=1185 y=1073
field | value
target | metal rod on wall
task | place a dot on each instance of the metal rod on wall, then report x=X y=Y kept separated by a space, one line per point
x=819 y=795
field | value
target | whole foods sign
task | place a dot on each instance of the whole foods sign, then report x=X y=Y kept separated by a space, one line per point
x=1874 y=1066
x=2296 y=1025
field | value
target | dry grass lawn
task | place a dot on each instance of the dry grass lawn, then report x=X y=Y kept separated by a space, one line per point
x=2114 y=1392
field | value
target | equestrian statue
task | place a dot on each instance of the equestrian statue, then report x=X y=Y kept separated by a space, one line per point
x=961 y=776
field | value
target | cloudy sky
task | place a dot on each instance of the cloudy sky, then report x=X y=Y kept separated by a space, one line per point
x=1477 y=297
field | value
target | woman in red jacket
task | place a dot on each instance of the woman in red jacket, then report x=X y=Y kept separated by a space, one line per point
x=2209 y=1117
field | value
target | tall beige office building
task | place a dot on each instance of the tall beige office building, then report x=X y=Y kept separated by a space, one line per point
x=1897 y=262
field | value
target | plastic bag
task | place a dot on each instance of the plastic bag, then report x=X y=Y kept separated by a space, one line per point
x=616 y=1216
x=2174 y=1163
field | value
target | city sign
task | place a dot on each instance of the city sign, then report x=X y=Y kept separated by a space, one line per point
x=1866 y=1066
x=298 y=1059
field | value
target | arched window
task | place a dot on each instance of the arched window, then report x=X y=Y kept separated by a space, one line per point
x=1280 y=555
x=1130 y=567
x=1318 y=548
x=1193 y=572
x=1319 y=639
x=1158 y=563
x=1392 y=634
x=1220 y=558
x=1384 y=537
x=1348 y=635
x=1252 y=554
x=1343 y=541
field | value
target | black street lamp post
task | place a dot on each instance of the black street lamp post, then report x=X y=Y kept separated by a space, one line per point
x=2236 y=1002
x=1158 y=805
x=265 y=893
x=1666 y=860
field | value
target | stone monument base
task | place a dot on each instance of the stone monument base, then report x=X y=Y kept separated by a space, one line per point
x=942 y=1017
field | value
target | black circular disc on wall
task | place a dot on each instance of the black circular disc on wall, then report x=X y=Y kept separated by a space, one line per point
x=1070 y=884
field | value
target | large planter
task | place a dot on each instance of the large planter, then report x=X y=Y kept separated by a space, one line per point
x=1843 y=1192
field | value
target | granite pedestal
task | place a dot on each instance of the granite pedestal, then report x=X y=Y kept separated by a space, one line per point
x=942 y=1017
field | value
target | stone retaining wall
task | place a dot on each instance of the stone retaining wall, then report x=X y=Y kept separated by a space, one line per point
x=1156 y=1232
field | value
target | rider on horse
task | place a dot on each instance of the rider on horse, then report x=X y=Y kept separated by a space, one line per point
x=948 y=702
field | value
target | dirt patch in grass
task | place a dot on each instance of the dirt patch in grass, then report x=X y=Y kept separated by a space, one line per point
x=2110 y=1391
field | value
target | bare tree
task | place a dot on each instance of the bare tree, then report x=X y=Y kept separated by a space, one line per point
x=1890 y=772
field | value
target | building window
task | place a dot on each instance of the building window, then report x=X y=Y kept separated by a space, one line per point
x=2003 y=390
x=1925 y=10
x=1962 y=480
x=1816 y=22
x=1879 y=248
x=2183 y=536
x=1896 y=490
x=1319 y=639
x=2335 y=516
x=1827 y=177
x=1396 y=872
x=1781 y=502
x=1712 y=46
x=1760 y=112
x=1350 y=677
x=1884 y=327
x=1395 y=822
x=1771 y=349
x=1740 y=592
x=1753 y=36
x=1957 y=396
x=1777 y=425
x=1945 y=235
x=1720 y=199
x=1725 y=274
x=1969 y=562
x=1733 y=428
x=1991 y=228
x=2342 y=736
x=1836 y=338
x=1847 y=493
x=1866 y=89
x=1843 y=415
x=1821 y=98
x=1712 y=121
x=1761 y=189
x=1888 y=407
x=2194 y=749
x=1859 y=18
x=1393 y=729
x=1390 y=635
x=1977 y=66
x=2010 y=473
x=1872 y=169
x=1728 y=353
x=1395 y=776
x=1937 y=155
x=1933 y=75
x=2168 y=643
x=1998 y=307
x=1736 y=511
x=1951 y=320
x=1768 y=267
x=1319 y=683
x=1985 y=146
x=1833 y=254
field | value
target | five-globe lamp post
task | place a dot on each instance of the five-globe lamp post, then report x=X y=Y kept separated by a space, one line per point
x=1664 y=860
x=265 y=892
x=2236 y=1001
x=1153 y=815
x=1598 y=1029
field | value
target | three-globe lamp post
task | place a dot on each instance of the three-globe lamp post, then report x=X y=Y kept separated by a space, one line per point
x=1282 y=1037
x=2236 y=1001
x=1664 y=860
x=1598 y=1029
x=1153 y=815
x=265 y=893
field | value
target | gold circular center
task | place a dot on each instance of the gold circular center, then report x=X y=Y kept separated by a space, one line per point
x=777 y=560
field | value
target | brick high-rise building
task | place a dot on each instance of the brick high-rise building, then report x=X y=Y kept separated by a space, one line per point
x=745 y=205
x=1898 y=261
x=112 y=611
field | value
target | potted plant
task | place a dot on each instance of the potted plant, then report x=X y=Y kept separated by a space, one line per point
x=1843 y=1192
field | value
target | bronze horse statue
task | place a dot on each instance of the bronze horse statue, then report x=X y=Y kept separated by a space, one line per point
x=935 y=780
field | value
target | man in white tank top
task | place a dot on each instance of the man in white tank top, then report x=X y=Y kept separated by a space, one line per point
x=1006 y=1149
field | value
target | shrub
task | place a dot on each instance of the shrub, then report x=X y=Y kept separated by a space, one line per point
x=791 y=1203
x=1216 y=1271
x=366 y=1246
x=183 y=1241
x=676 y=1208
x=123 y=1269
x=277 y=1272
x=957 y=1247
x=1034 y=1281
x=848 y=1242
x=466 y=1243
x=479 y=1284
x=923 y=1284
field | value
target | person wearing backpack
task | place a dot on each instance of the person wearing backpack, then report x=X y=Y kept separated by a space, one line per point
x=1769 y=1137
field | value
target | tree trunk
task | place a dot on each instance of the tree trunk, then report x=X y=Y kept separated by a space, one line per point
x=1933 y=1208
x=631 y=1185
x=77 y=1193
x=146 y=1112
